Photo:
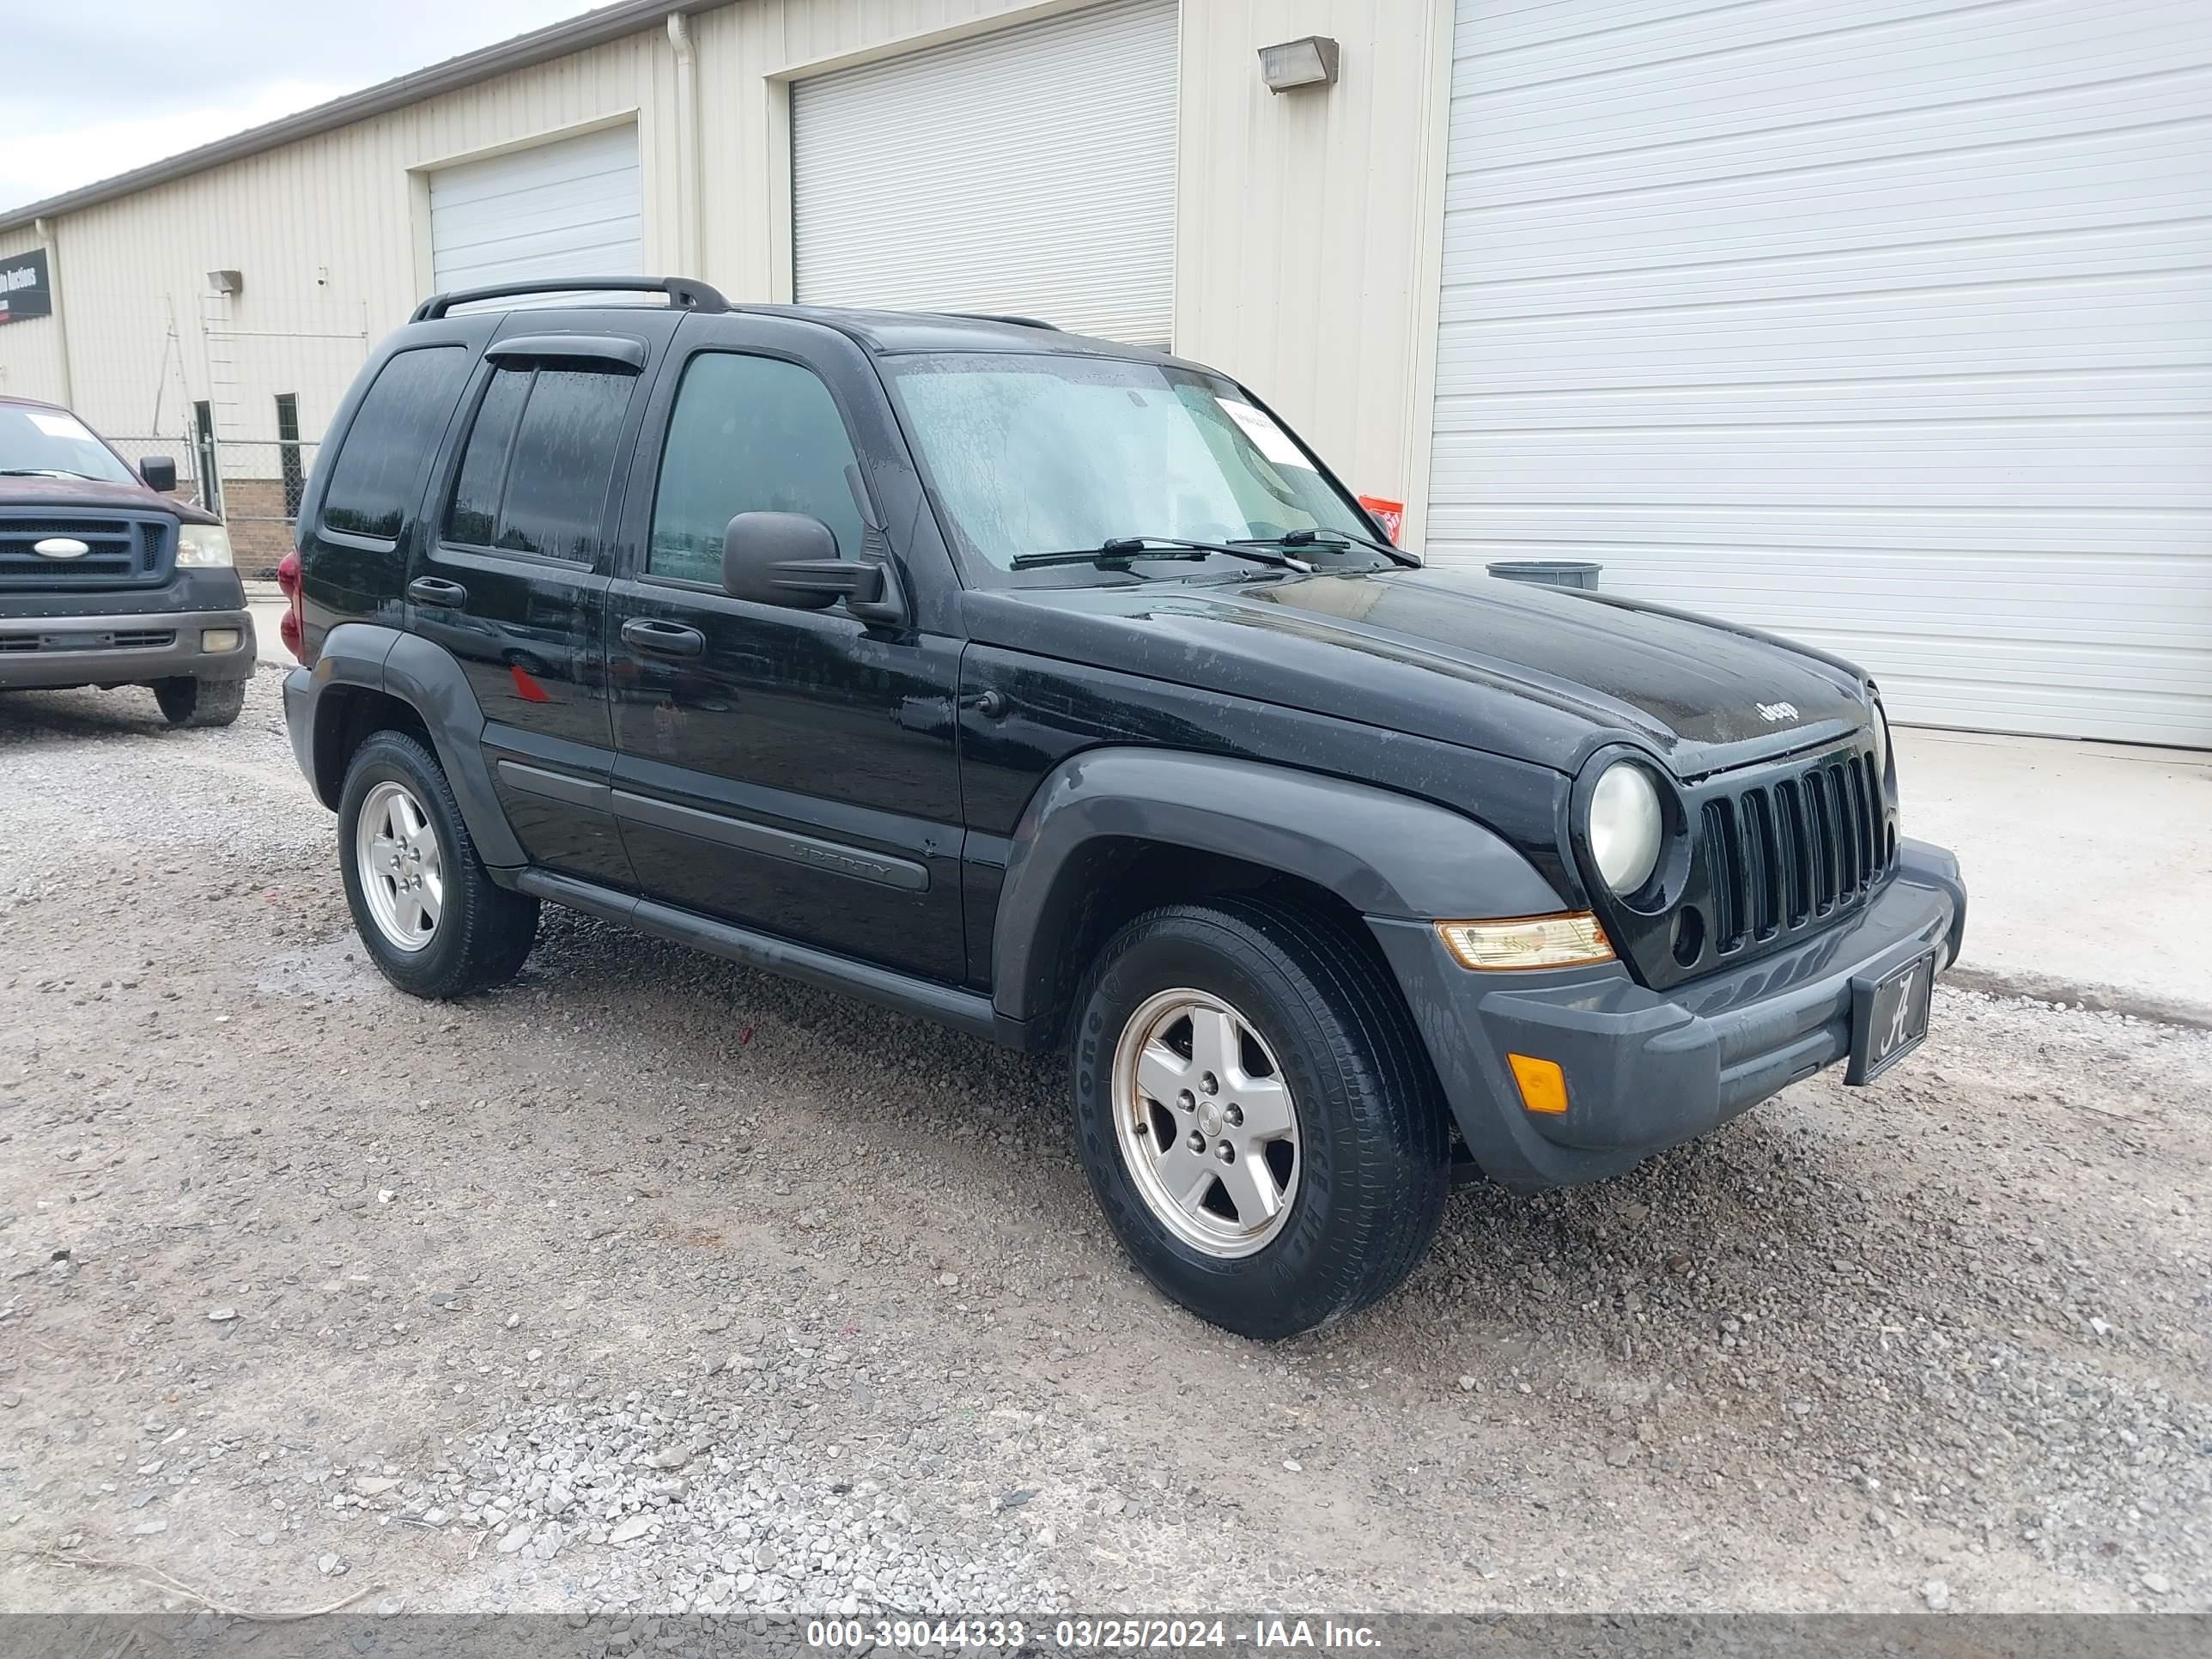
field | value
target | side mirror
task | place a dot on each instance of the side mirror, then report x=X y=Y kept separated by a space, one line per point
x=159 y=472
x=791 y=559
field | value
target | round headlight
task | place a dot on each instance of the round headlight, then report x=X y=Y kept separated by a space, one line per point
x=1625 y=826
x=1880 y=742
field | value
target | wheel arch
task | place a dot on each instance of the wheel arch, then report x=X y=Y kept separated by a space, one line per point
x=369 y=679
x=1145 y=825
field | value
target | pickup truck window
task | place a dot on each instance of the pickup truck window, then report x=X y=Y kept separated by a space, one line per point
x=749 y=434
x=1036 y=454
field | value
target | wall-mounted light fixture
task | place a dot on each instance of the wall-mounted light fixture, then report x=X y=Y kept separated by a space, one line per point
x=226 y=281
x=1310 y=61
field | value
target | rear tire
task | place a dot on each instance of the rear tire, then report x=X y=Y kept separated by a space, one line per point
x=190 y=703
x=433 y=920
x=1341 y=1203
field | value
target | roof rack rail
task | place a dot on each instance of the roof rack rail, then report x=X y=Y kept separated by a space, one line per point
x=681 y=291
x=1004 y=317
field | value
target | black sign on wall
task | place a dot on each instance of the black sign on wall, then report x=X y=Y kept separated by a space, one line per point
x=25 y=291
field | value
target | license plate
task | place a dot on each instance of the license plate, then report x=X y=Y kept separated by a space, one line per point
x=1889 y=1017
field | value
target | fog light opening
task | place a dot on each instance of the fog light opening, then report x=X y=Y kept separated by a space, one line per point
x=219 y=639
x=1689 y=935
x=1543 y=1085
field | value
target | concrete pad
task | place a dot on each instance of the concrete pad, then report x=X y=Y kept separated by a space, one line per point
x=268 y=617
x=2088 y=865
x=266 y=601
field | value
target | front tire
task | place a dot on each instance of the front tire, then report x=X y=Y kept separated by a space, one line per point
x=1300 y=1163
x=433 y=920
x=190 y=703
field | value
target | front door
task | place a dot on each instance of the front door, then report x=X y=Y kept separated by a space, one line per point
x=514 y=583
x=791 y=771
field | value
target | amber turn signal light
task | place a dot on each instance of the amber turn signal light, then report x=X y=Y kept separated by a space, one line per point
x=1543 y=1085
x=1561 y=941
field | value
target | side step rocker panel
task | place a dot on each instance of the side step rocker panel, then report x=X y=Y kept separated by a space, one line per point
x=966 y=1011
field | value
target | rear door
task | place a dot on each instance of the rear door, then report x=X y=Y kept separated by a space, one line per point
x=792 y=771
x=514 y=577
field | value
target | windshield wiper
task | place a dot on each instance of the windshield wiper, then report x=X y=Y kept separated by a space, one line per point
x=46 y=473
x=1119 y=550
x=1316 y=537
x=1098 y=555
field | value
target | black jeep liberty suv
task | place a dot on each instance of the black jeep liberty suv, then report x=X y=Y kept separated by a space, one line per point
x=1056 y=690
x=105 y=581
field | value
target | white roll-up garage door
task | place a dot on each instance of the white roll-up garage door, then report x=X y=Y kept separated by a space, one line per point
x=1881 y=323
x=564 y=208
x=1030 y=170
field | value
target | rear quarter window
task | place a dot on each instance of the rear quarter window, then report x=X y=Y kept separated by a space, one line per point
x=378 y=476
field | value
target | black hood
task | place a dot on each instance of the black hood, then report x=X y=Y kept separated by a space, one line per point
x=1541 y=674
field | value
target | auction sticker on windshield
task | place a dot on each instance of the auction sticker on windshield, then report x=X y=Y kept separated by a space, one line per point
x=1270 y=440
x=56 y=425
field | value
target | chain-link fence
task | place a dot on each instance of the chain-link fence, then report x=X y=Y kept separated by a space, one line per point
x=253 y=483
x=257 y=483
x=178 y=449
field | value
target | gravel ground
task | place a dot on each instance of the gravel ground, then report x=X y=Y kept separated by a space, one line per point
x=654 y=1284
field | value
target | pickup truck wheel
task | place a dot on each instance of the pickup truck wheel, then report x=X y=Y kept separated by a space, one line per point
x=434 y=922
x=199 y=702
x=1255 y=1114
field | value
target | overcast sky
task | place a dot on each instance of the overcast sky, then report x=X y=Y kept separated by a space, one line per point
x=95 y=89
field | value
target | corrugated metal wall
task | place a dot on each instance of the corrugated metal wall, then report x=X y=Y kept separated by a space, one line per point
x=1298 y=216
x=330 y=234
x=1876 y=322
x=1301 y=218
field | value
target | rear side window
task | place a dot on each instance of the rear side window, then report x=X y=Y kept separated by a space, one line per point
x=539 y=458
x=473 y=518
x=749 y=434
x=378 y=476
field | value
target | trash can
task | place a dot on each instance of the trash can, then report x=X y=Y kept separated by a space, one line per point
x=1549 y=573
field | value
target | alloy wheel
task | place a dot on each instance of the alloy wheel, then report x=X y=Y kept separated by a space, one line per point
x=1209 y=1129
x=402 y=873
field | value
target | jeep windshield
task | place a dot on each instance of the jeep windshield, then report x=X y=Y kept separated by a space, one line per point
x=1029 y=456
x=52 y=443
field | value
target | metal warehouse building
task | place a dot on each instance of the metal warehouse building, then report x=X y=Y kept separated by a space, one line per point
x=1883 y=323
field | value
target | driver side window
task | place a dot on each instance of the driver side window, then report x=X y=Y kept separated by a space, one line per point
x=748 y=434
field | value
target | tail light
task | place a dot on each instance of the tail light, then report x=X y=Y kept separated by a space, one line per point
x=293 y=630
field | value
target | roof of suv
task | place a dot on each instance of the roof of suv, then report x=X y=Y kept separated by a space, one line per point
x=877 y=330
x=941 y=331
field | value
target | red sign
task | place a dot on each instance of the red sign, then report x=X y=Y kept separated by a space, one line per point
x=1391 y=515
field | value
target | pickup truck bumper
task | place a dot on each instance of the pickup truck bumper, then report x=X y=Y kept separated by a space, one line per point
x=130 y=648
x=1647 y=1070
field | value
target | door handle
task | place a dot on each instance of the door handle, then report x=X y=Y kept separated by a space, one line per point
x=434 y=590
x=662 y=639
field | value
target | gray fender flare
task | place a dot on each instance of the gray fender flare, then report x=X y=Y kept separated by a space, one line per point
x=428 y=680
x=1383 y=854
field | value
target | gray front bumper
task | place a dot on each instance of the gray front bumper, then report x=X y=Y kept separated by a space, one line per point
x=1645 y=1070
x=107 y=650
